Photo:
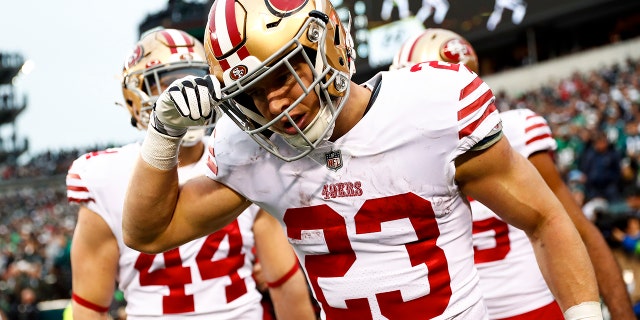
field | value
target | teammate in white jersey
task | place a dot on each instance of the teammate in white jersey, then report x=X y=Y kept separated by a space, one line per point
x=368 y=180
x=207 y=278
x=512 y=283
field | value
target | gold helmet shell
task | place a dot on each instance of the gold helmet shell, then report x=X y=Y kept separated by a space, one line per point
x=263 y=30
x=436 y=44
x=158 y=58
x=247 y=39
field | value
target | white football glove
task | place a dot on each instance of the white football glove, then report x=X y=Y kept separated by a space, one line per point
x=187 y=102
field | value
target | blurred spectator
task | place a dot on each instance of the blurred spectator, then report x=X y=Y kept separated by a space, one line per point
x=601 y=165
x=630 y=237
x=26 y=308
x=629 y=184
x=36 y=226
x=575 y=182
x=632 y=141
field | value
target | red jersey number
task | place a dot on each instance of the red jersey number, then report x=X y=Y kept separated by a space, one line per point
x=501 y=234
x=176 y=276
x=341 y=256
x=437 y=65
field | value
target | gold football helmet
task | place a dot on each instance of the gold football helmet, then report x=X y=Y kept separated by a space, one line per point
x=436 y=45
x=160 y=57
x=246 y=40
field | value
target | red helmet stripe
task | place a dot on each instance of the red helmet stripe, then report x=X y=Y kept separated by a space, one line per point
x=178 y=41
x=224 y=64
x=170 y=41
x=232 y=26
x=413 y=46
x=215 y=44
x=225 y=35
x=187 y=41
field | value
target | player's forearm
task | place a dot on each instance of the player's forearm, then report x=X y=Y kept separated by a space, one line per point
x=149 y=206
x=610 y=283
x=557 y=245
x=291 y=300
x=609 y=277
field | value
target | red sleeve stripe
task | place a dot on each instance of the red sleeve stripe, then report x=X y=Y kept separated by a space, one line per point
x=472 y=126
x=73 y=176
x=77 y=188
x=476 y=105
x=475 y=84
x=537 y=138
x=78 y=200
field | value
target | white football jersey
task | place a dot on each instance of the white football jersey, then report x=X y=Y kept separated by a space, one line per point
x=208 y=278
x=376 y=217
x=509 y=274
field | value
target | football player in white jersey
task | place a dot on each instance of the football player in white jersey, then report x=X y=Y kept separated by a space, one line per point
x=367 y=180
x=207 y=278
x=513 y=285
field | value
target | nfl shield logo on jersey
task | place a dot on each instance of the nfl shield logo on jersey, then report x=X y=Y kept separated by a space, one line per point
x=334 y=159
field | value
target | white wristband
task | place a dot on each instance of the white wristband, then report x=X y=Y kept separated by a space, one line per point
x=159 y=150
x=590 y=310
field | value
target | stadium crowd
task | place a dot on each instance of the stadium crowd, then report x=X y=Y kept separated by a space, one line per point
x=594 y=115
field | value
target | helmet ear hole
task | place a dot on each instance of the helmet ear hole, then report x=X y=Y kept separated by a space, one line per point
x=134 y=122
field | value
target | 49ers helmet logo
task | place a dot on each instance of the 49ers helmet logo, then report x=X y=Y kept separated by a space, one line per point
x=284 y=8
x=135 y=56
x=456 y=50
x=238 y=72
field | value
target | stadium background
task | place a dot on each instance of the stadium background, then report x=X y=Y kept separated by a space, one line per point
x=558 y=56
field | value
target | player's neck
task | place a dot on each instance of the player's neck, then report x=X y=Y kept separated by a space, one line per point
x=353 y=110
x=190 y=155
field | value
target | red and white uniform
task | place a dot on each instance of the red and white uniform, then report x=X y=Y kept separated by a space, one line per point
x=208 y=278
x=509 y=274
x=380 y=228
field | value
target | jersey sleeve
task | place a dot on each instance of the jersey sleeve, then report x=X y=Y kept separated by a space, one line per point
x=232 y=152
x=97 y=180
x=77 y=189
x=528 y=132
x=478 y=120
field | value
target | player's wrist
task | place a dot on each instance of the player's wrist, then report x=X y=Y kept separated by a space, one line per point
x=164 y=128
x=589 y=310
x=160 y=150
